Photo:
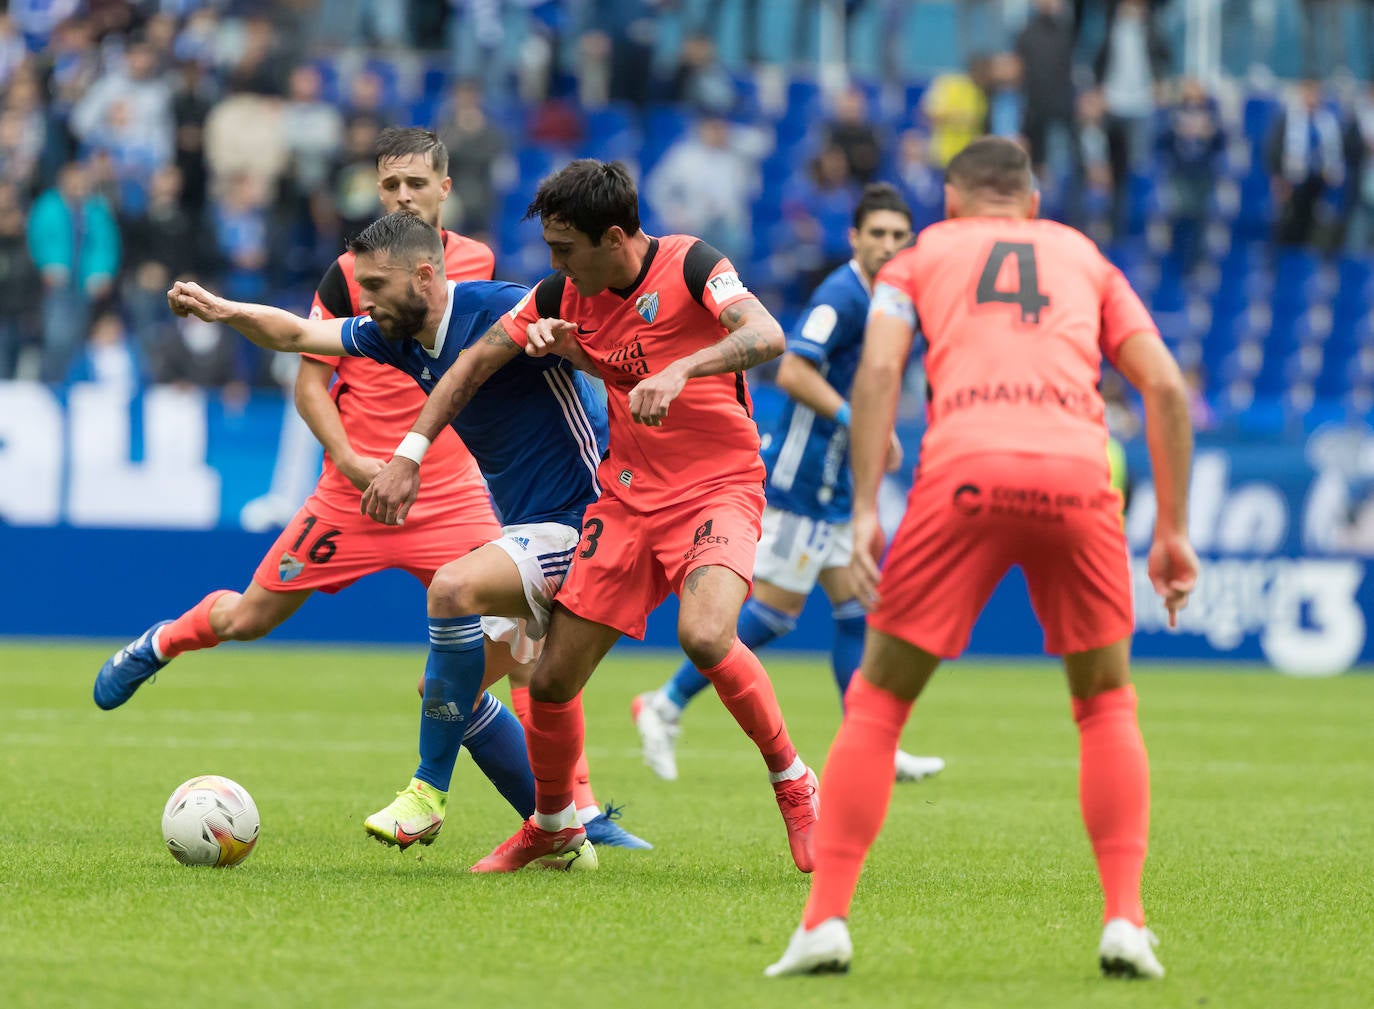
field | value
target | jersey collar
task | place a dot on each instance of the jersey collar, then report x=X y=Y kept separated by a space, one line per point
x=443 y=326
x=858 y=272
x=625 y=292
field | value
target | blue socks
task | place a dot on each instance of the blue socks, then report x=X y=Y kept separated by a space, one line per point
x=453 y=676
x=758 y=625
x=497 y=745
x=848 y=649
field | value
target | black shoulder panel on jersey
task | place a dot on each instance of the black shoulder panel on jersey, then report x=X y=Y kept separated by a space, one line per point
x=333 y=292
x=697 y=265
x=548 y=296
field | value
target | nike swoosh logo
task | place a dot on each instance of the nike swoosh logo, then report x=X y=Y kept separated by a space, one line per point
x=405 y=838
x=584 y=331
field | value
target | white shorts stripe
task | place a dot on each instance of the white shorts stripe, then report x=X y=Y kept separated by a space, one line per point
x=542 y=552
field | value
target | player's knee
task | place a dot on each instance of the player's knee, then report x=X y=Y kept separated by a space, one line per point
x=551 y=683
x=705 y=642
x=451 y=594
x=1100 y=682
x=246 y=625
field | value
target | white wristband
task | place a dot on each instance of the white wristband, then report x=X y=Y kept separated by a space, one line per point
x=413 y=447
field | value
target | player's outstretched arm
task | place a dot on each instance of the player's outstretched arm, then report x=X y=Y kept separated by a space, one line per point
x=877 y=388
x=1147 y=364
x=264 y=325
x=752 y=337
x=393 y=490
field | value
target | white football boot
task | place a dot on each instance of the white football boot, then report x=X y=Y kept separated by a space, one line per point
x=825 y=949
x=1128 y=950
x=657 y=734
x=913 y=768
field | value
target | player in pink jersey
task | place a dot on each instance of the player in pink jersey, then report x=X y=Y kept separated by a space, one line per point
x=358 y=408
x=671 y=328
x=1017 y=315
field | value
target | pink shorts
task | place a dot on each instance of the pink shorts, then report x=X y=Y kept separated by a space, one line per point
x=629 y=561
x=968 y=523
x=322 y=550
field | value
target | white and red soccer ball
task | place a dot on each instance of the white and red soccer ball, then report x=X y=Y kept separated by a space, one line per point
x=210 y=820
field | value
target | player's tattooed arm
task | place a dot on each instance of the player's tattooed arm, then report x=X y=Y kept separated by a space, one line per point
x=754 y=337
x=460 y=383
x=394 y=489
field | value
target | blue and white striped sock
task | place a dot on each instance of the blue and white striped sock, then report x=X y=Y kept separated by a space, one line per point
x=453 y=676
x=497 y=744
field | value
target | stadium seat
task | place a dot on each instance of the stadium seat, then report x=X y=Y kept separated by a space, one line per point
x=1333 y=380
x=534 y=163
x=1255 y=217
x=1169 y=294
x=424 y=111
x=1174 y=327
x=391 y=76
x=804 y=100
x=747 y=108
x=912 y=95
x=329 y=80
x=663 y=125
x=1241 y=364
x=612 y=134
x=435 y=82
x=1258 y=117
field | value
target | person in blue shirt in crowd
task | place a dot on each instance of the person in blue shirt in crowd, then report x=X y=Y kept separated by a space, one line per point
x=807 y=538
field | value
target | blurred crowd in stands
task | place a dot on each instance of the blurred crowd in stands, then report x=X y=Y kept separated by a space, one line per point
x=231 y=141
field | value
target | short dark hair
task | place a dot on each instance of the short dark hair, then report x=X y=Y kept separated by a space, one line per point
x=401 y=141
x=880 y=196
x=592 y=196
x=401 y=235
x=993 y=165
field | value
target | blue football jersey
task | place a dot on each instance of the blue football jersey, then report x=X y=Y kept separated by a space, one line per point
x=536 y=427
x=808 y=456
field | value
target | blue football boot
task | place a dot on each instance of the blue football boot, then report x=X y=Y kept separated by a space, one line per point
x=126 y=670
x=602 y=830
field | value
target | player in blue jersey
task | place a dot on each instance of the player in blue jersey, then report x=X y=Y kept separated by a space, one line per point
x=535 y=428
x=807 y=537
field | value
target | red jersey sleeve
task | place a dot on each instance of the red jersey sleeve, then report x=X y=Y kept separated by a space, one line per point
x=333 y=300
x=712 y=279
x=544 y=302
x=1123 y=314
x=894 y=289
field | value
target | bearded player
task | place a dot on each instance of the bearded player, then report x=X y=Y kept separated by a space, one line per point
x=328 y=545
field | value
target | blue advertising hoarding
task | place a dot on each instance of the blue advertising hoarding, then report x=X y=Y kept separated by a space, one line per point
x=116 y=512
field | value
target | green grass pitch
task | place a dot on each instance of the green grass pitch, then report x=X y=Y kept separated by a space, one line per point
x=980 y=893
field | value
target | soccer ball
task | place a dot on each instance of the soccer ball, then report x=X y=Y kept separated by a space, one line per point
x=210 y=820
